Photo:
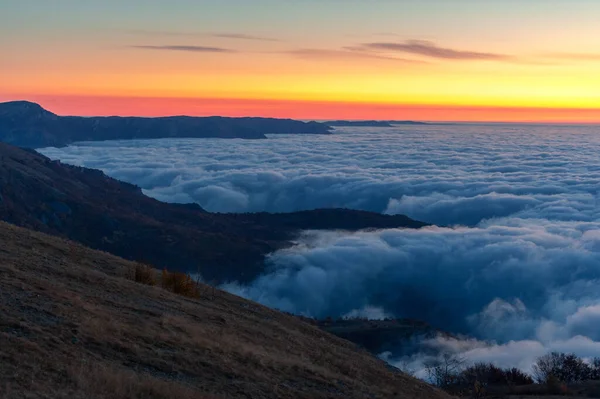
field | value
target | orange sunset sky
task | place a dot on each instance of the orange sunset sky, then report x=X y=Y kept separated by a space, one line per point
x=450 y=60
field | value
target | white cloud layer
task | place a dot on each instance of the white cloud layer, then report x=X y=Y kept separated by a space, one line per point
x=439 y=174
x=521 y=276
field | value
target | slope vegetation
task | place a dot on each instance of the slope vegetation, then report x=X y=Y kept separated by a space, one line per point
x=74 y=325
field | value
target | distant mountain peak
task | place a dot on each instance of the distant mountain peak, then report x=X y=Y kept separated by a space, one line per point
x=23 y=108
x=27 y=124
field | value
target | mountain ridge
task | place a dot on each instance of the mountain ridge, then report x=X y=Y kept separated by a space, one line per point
x=370 y=123
x=27 y=124
x=87 y=206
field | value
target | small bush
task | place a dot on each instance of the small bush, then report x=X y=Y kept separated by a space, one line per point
x=595 y=369
x=555 y=386
x=144 y=275
x=567 y=368
x=478 y=380
x=514 y=376
x=489 y=374
x=180 y=283
x=445 y=372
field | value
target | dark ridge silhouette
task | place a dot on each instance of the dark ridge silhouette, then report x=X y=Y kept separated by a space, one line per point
x=358 y=124
x=342 y=123
x=377 y=336
x=406 y=123
x=27 y=124
x=87 y=206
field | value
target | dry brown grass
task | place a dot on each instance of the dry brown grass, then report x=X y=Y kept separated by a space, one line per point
x=104 y=382
x=58 y=306
x=180 y=284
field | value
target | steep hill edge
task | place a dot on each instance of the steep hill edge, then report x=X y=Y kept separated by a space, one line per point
x=87 y=206
x=73 y=325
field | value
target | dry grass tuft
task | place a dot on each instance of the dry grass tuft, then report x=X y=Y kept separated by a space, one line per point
x=97 y=381
x=144 y=274
x=180 y=284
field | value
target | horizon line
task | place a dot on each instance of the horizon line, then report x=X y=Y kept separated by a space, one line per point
x=313 y=110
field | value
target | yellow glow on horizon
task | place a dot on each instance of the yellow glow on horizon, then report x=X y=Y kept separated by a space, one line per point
x=525 y=83
x=567 y=92
x=476 y=55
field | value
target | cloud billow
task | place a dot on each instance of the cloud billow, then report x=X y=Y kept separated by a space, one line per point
x=517 y=287
x=516 y=269
x=445 y=175
x=496 y=281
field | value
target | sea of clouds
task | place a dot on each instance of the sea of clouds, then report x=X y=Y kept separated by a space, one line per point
x=516 y=265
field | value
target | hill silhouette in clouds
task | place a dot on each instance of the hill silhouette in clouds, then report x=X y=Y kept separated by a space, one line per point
x=87 y=206
x=371 y=123
x=27 y=124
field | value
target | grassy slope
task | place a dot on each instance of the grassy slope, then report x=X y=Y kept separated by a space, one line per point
x=72 y=325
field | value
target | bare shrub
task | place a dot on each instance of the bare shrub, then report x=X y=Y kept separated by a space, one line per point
x=567 y=368
x=555 y=386
x=474 y=381
x=489 y=374
x=514 y=376
x=144 y=274
x=180 y=283
x=595 y=369
x=446 y=370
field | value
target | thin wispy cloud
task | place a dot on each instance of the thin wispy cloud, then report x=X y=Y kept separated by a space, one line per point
x=152 y=32
x=222 y=35
x=387 y=34
x=242 y=36
x=193 y=49
x=430 y=49
x=345 y=53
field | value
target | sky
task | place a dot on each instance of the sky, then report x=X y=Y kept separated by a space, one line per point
x=451 y=60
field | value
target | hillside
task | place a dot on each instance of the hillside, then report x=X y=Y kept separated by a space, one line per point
x=103 y=213
x=74 y=325
x=27 y=124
